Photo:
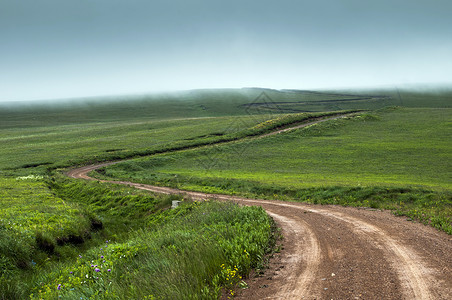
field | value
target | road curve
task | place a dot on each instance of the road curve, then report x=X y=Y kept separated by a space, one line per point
x=333 y=252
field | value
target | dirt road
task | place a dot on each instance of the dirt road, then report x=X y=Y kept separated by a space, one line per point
x=332 y=252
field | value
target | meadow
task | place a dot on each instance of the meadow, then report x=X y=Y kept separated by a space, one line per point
x=31 y=219
x=394 y=158
x=61 y=237
x=390 y=147
x=33 y=150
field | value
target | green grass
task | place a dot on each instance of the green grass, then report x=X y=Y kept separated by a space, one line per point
x=38 y=136
x=191 y=253
x=194 y=251
x=392 y=147
x=380 y=153
x=35 y=225
x=34 y=150
x=395 y=158
x=29 y=208
x=148 y=244
x=120 y=208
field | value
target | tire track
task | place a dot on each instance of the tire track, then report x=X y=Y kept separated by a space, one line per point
x=412 y=271
x=300 y=281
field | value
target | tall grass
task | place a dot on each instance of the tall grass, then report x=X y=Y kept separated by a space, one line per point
x=119 y=207
x=141 y=249
x=191 y=253
x=35 y=227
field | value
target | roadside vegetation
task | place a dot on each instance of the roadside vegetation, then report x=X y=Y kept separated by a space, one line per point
x=191 y=252
x=61 y=237
x=33 y=222
x=53 y=246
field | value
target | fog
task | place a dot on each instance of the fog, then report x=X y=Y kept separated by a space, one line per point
x=54 y=49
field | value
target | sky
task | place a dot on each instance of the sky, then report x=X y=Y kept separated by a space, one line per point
x=53 y=49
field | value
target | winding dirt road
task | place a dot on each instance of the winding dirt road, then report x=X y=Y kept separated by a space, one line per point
x=332 y=252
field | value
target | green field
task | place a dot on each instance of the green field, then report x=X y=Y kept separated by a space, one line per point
x=38 y=136
x=392 y=147
x=394 y=156
x=38 y=148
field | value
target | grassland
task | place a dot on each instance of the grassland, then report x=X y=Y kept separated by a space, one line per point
x=208 y=103
x=391 y=147
x=363 y=161
x=38 y=136
x=33 y=150
x=389 y=158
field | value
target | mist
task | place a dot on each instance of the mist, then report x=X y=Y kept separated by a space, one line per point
x=55 y=49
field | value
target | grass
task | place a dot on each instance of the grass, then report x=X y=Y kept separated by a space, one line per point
x=393 y=158
x=38 y=136
x=379 y=153
x=29 y=209
x=35 y=225
x=208 y=103
x=194 y=251
x=392 y=147
x=121 y=208
x=37 y=149
x=191 y=253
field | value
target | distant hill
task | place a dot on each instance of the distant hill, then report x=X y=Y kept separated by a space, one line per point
x=208 y=103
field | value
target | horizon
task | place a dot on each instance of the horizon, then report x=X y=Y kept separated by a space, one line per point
x=416 y=88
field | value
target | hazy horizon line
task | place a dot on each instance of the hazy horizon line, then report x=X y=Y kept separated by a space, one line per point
x=425 y=87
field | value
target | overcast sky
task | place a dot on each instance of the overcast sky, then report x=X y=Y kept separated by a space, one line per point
x=62 y=48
